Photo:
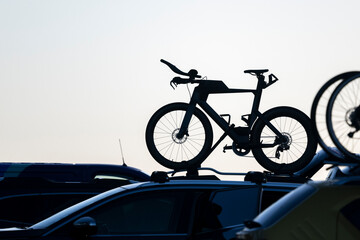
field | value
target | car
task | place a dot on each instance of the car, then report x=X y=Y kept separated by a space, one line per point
x=30 y=192
x=196 y=207
x=316 y=210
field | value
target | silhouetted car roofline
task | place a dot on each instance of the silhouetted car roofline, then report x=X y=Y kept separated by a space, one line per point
x=69 y=172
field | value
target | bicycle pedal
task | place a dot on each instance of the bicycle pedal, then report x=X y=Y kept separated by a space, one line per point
x=226 y=147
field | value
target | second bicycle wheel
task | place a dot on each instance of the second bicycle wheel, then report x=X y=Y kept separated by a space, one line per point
x=296 y=149
x=172 y=152
x=318 y=113
x=343 y=117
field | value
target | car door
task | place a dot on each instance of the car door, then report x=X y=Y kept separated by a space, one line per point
x=150 y=215
x=169 y=213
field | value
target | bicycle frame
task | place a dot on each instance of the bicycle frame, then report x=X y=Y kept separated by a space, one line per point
x=207 y=87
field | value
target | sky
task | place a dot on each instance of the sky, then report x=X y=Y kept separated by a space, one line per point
x=78 y=75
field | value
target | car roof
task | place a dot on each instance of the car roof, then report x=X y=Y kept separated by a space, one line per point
x=68 y=172
x=201 y=183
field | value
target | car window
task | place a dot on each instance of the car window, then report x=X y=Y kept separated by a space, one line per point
x=149 y=212
x=229 y=207
x=269 y=197
x=284 y=205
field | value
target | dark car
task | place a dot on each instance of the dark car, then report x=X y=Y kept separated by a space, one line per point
x=316 y=210
x=195 y=208
x=30 y=192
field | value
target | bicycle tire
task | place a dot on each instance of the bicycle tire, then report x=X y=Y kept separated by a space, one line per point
x=318 y=113
x=296 y=126
x=174 y=153
x=342 y=118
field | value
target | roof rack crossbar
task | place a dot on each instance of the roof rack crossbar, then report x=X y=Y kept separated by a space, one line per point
x=209 y=169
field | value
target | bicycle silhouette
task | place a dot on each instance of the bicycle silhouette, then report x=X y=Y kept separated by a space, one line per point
x=179 y=135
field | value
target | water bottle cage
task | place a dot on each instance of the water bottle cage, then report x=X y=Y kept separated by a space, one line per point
x=272 y=80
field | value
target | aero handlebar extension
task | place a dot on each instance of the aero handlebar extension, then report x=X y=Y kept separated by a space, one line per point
x=192 y=73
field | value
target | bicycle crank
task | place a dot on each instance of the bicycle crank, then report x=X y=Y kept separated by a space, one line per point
x=240 y=151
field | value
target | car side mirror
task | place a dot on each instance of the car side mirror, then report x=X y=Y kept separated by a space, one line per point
x=84 y=227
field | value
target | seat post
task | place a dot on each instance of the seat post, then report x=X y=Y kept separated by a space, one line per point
x=257 y=98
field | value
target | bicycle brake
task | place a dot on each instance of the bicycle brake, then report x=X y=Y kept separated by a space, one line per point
x=174 y=82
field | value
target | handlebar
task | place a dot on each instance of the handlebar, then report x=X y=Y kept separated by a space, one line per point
x=192 y=74
x=178 y=80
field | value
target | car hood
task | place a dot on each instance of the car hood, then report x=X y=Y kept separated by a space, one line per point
x=15 y=232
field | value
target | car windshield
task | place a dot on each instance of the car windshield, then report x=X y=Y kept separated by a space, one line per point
x=67 y=212
x=284 y=205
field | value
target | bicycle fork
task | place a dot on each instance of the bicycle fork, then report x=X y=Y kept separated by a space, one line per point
x=186 y=121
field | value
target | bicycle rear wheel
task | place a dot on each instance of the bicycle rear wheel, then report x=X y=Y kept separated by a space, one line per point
x=172 y=152
x=343 y=117
x=284 y=156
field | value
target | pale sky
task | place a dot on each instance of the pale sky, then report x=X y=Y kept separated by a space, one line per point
x=78 y=75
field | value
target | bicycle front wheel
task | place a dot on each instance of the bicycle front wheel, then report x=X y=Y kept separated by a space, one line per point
x=172 y=152
x=343 y=117
x=290 y=153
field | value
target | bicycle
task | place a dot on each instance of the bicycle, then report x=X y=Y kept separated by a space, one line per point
x=343 y=117
x=179 y=135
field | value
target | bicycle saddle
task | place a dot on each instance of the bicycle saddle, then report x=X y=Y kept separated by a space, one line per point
x=259 y=71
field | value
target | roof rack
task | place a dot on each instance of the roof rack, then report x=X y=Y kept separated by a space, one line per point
x=252 y=176
x=192 y=174
x=195 y=172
